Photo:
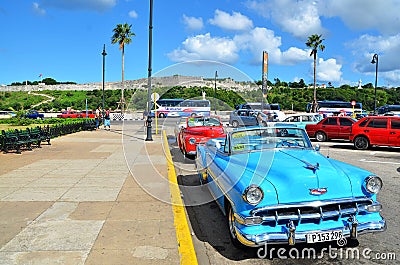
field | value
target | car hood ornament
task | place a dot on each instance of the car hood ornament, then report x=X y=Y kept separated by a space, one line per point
x=318 y=191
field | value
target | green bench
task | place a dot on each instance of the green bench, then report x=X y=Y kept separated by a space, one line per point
x=38 y=135
x=14 y=140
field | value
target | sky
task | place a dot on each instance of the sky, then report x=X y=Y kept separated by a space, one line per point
x=63 y=39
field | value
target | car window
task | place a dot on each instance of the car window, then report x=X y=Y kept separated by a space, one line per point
x=378 y=123
x=295 y=119
x=330 y=121
x=362 y=124
x=395 y=124
x=345 y=122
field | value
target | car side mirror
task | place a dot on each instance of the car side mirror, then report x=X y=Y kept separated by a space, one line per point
x=317 y=148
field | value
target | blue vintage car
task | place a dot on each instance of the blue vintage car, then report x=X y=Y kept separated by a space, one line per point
x=274 y=187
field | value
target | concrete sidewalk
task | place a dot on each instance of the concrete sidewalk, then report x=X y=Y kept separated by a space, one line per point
x=97 y=197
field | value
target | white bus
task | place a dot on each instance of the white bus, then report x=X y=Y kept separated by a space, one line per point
x=328 y=108
x=183 y=108
x=273 y=110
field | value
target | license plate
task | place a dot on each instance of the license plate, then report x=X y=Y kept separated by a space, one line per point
x=324 y=236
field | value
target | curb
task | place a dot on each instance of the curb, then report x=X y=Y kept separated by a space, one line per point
x=184 y=238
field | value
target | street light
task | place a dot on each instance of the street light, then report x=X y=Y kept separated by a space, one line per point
x=375 y=60
x=104 y=64
x=148 y=136
x=215 y=92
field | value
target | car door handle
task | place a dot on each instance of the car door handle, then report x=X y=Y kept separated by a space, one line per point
x=392 y=132
x=366 y=130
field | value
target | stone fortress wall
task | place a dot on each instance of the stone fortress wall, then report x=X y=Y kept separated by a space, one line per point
x=167 y=81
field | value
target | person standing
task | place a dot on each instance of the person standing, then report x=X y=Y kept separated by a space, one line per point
x=97 y=117
x=107 y=120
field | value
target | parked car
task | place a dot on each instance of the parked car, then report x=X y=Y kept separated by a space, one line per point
x=179 y=125
x=197 y=130
x=34 y=114
x=334 y=127
x=70 y=114
x=91 y=114
x=7 y=114
x=376 y=130
x=247 y=117
x=302 y=119
x=277 y=188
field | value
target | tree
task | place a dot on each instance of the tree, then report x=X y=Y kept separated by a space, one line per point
x=315 y=42
x=122 y=35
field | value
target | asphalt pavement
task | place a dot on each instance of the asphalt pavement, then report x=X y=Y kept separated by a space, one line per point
x=93 y=197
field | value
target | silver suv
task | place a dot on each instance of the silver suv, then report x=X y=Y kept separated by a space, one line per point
x=247 y=117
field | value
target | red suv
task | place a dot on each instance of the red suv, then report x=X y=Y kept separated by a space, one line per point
x=376 y=130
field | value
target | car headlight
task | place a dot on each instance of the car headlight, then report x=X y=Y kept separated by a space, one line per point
x=373 y=184
x=253 y=195
x=192 y=141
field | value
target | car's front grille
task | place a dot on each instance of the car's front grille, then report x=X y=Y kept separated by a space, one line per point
x=313 y=212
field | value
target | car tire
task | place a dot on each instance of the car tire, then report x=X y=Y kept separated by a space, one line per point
x=161 y=115
x=230 y=219
x=193 y=115
x=235 y=124
x=361 y=143
x=320 y=136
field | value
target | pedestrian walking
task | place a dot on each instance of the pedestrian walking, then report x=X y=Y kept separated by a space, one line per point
x=97 y=117
x=107 y=119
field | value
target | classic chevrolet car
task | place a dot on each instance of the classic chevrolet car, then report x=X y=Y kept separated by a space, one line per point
x=275 y=187
x=198 y=130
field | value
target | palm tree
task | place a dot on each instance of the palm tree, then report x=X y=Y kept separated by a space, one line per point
x=314 y=42
x=122 y=35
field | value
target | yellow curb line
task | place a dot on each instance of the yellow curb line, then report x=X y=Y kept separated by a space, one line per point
x=185 y=243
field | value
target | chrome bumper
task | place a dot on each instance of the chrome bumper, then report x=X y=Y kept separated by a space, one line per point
x=291 y=237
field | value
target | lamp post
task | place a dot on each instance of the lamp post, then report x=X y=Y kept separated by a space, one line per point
x=215 y=92
x=148 y=135
x=104 y=64
x=375 y=61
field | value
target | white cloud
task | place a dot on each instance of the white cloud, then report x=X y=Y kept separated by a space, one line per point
x=205 y=47
x=258 y=40
x=299 y=18
x=254 y=42
x=294 y=55
x=236 y=21
x=365 y=14
x=193 y=23
x=133 y=14
x=329 y=70
x=38 y=10
x=387 y=48
x=303 y=18
x=261 y=39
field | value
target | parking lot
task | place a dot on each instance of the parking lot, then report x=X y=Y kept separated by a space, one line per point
x=209 y=227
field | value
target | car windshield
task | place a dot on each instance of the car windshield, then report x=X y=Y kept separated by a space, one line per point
x=203 y=121
x=269 y=138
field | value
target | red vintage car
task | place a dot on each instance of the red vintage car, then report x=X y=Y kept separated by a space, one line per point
x=91 y=114
x=331 y=128
x=198 y=129
x=376 y=130
x=69 y=114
